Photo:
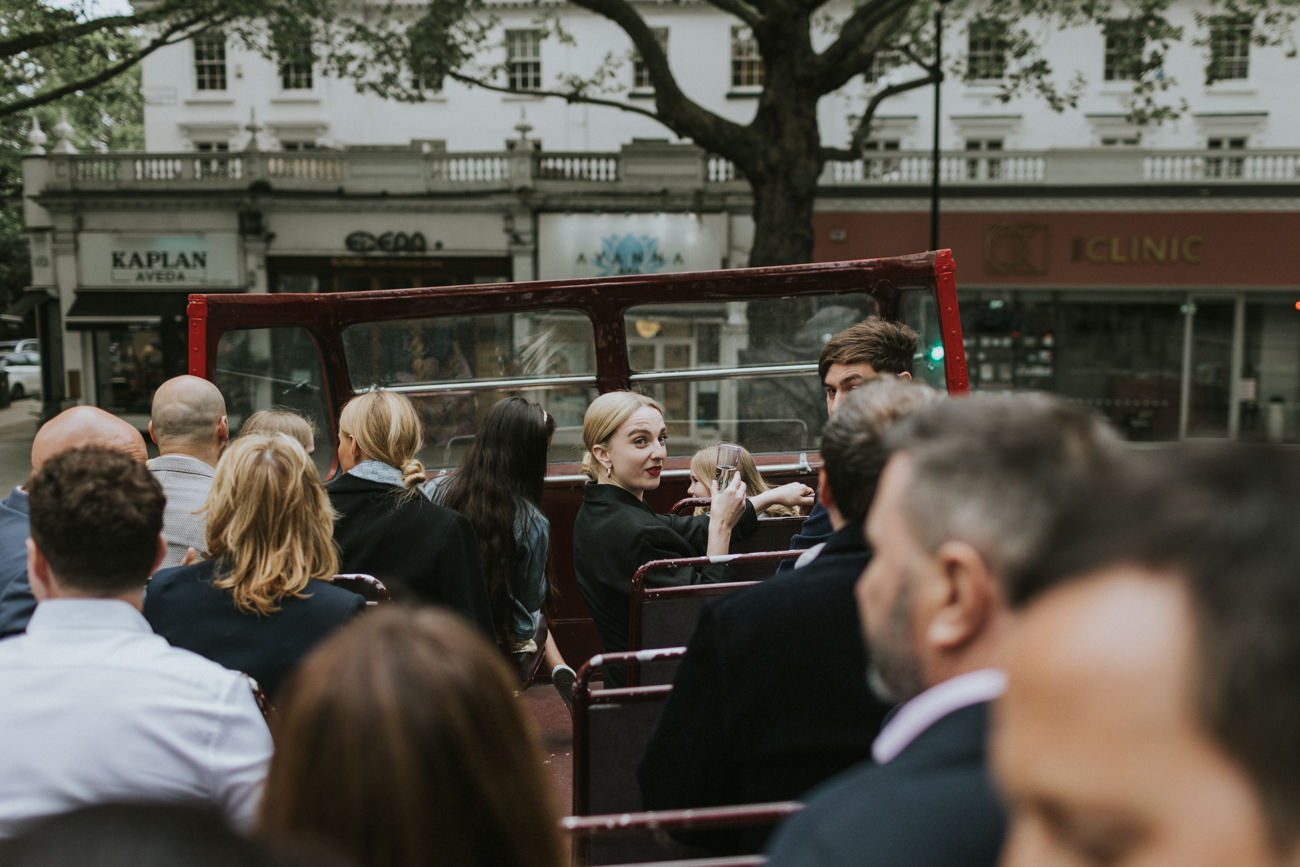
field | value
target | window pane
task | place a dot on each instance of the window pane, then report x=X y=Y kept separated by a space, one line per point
x=746 y=62
x=986 y=51
x=210 y=61
x=476 y=351
x=524 y=59
x=260 y=368
x=764 y=411
x=640 y=74
x=1123 y=51
x=921 y=314
x=1229 y=48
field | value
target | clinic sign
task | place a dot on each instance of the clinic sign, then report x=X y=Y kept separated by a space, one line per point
x=164 y=261
x=606 y=245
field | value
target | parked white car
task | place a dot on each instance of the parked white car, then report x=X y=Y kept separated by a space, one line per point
x=24 y=369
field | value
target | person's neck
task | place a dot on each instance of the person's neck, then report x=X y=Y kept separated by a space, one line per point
x=134 y=598
x=208 y=454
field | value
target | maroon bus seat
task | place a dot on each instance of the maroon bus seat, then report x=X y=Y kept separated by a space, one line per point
x=371 y=588
x=665 y=616
x=773 y=534
x=651 y=834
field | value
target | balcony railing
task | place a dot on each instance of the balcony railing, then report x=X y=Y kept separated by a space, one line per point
x=407 y=171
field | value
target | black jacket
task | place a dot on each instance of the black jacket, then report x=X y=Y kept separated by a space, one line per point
x=424 y=552
x=615 y=534
x=771 y=698
x=934 y=805
x=182 y=606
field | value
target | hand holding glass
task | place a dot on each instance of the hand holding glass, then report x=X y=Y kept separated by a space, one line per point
x=728 y=460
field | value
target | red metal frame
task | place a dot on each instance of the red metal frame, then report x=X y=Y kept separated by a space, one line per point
x=584 y=696
x=639 y=592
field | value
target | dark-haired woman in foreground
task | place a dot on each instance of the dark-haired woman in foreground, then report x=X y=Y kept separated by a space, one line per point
x=400 y=744
x=499 y=488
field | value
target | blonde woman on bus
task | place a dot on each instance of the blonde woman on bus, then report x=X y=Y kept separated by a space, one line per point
x=704 y=466
x=263 y=599
x=616 y=532
x=387 y=527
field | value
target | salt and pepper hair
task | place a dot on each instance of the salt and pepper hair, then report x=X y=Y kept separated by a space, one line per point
x=993 y=470
x=387 y=427
x=604 y=417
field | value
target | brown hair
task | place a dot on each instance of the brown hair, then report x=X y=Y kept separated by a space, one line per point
x=285 y=421
x=386 y=426
x=604 y=417
x=400 y=744
x=888 y=347
x=96 y=515
x=704 y=465
x=269 y=522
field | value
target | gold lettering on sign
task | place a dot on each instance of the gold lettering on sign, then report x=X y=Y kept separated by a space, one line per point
x=1138 y=249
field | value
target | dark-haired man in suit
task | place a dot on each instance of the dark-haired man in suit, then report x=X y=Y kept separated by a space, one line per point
x=732 y=731
x=966 y=498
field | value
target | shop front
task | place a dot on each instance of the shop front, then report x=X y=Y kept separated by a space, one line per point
x=1173 y=324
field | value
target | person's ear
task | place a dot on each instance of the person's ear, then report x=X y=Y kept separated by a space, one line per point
x=152 y=437
x=824 y=494
x=38 y=572
x=601 y=454
x=223 y=430
x=963 y=596
x=904 y=375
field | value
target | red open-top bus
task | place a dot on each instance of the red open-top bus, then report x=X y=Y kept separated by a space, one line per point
x=731 y=355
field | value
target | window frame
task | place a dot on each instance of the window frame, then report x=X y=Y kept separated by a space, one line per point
x=523 y=59
x=1121 y=35
x=640 y=73
x=209 y=70
x=986 y=51
x=296 y=66
x=747 y=71
x=1229 y=41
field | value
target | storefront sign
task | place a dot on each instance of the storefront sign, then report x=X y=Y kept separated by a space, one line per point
x=388 y=242
x=141 y=261
x=598 y=245
x=1114 y=250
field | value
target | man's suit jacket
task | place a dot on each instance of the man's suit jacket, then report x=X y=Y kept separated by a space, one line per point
x=816 y=528
x=185 y=482
x=16 y=600
x=934 y=805
x=182 y=606
x=424 y=552
x=771 y=698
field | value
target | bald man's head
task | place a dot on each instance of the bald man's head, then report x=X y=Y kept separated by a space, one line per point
x=86 y=426
x=189 y=417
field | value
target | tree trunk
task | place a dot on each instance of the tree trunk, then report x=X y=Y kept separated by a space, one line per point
x=783 y=212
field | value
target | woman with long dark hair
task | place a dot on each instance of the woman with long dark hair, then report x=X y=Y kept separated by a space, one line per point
x=499 y=488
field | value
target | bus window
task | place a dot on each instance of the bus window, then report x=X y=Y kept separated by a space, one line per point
x=922 y=315
x=454 y=368
x=260 y=368
x=739 y=370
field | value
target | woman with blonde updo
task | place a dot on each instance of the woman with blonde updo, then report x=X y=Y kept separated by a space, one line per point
x=616 y=532
x=263 y=599
x=704 y=466
x=386 y=527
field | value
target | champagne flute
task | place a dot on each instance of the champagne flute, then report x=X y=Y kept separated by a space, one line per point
x=728 y=460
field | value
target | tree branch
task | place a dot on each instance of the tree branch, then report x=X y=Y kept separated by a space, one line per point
x=742 y=10
x=176 y=33
x=673 y=108
x=863 y=129
x=567 y=96
x=54 y=35
x=852 y=50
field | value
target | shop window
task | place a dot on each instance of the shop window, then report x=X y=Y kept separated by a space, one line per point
x=455 y=368
x=209 y=61
x=524 y=59
x=1124 y=47
x=640 y=74
x=739 y=370
x=986 y=51
x=1229 y=48
x=746 y=62
x=297 y=66
x=260 y=368
x=983 y=167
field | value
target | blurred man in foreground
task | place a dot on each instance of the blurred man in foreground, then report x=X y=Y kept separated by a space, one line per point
x=1153 y=711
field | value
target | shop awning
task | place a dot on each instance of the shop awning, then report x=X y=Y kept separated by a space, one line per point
x=16 y=312
x=103 y=309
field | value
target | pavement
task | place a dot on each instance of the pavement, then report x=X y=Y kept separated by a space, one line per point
x=18 y=424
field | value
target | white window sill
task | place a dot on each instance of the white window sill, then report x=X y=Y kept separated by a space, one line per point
x=1234 y=87
x=290 y=97
x=218 y=97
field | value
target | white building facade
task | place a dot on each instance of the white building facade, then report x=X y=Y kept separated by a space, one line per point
x=1141 y=270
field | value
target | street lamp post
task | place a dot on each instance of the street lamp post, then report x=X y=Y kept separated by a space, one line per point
x=934 y=156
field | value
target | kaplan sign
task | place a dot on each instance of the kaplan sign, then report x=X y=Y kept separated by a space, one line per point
x=141 y=261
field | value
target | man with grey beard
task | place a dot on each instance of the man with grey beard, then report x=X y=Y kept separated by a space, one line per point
x=966 y=499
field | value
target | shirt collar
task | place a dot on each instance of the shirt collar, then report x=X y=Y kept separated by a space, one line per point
x=926 y=709
x=377 y=471
x=56 y=615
